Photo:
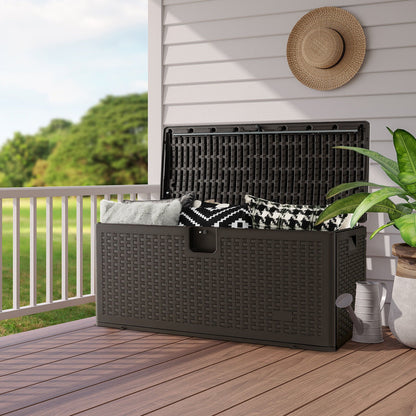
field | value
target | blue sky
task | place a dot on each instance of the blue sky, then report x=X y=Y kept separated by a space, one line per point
x=60 y=57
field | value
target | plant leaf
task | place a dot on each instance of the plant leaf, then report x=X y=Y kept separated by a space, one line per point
x=381 y=228
x=373 y=199
x=390 y=167
x=350 y=203
x=407 y=178
x=407 y=227
x=350 y=185
x=390 y=130
x=405 y=145
x=409 y=206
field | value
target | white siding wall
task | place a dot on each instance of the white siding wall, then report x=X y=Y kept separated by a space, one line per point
x=224 y=62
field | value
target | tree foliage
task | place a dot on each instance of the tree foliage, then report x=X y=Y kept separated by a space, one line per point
x=19 y=155
x=108 y=146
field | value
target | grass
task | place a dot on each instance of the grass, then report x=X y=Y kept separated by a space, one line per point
x=58 y=316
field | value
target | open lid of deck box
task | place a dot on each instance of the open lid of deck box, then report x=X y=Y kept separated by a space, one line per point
x=292 y=163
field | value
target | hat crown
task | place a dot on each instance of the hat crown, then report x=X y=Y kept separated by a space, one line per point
x=322 y=47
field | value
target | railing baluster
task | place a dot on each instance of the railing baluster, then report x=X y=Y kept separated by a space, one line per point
x=1 y=254
x=79 y=247
x=132 y=197
x=49 y=249
x=33 y=251
x=107 y=196
x=119 y=197
x=16 y=253
x=93 y=243
x=64 y=248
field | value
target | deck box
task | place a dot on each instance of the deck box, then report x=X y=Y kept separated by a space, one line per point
x=275 y=287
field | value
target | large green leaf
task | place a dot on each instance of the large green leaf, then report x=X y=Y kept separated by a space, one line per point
x=348 y=186
x=407 y=178
x=389 y=166
x=350 y=203
x=405 y=145
x=407 y=227
x=373 y=199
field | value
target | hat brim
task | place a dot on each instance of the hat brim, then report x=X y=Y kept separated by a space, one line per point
x=354 y=48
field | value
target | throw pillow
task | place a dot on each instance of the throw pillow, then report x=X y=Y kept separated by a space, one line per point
x=275 y=216
x=214 y=215
x=163 y=212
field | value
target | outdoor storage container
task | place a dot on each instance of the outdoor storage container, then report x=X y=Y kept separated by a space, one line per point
x=275 y=287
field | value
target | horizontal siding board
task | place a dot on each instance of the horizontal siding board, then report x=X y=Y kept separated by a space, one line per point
x=336 y=108
x=379 y=37
x=287 y=89
x=252 y=26
x=377 y=245
x=380 y=245
x=226 y=50
x=226 y=9
x=281 y=24
x=378 y=176
x=381 y=268
x=386 y=148
x=379 y=132
x=381 y=60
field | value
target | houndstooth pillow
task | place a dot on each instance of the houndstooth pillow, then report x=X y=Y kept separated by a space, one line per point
x=214 y=215
x=274 y=216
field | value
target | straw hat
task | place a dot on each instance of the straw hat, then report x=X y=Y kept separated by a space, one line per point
x=326 y=48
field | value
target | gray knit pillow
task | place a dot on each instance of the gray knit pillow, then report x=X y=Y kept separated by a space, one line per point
x=163 y=212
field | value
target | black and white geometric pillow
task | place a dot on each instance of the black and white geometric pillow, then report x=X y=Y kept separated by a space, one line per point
x=214 y=215
x=274 y=216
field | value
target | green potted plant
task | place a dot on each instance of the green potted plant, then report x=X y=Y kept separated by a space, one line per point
x=402 y=215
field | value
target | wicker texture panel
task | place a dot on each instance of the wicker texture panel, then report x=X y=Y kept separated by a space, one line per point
x=294 y=163
x=240 y=290
x=351 y=267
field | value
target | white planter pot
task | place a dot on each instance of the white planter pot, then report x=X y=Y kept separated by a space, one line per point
x=402 y=316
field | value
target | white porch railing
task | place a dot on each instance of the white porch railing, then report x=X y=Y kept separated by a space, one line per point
x=51 y=193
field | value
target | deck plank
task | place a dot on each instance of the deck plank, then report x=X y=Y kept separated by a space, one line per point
x=58 y=385
x=366 y=390
x=400 y=403
x=260 y=366
x=35 y=368
x=287 y=397
x=53 y=330
x=168 y=368
x=61 y=352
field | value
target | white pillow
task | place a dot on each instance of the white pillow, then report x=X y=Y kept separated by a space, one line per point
x=163 y=212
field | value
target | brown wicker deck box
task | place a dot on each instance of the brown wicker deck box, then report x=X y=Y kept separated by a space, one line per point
x=273 y=287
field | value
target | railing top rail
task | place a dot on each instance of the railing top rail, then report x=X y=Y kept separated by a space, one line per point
x=59 y=191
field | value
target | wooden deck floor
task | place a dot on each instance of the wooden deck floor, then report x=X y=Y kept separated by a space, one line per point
x=78 y=368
